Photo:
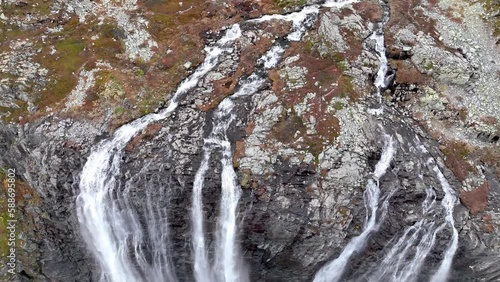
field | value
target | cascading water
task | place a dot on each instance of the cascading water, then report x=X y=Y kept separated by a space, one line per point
x=227 y=265
x=448 y=203
x=334 y=270
x=381 y=80
x=114 y=233
x=394 y=266
x=110 y=229
x=110 y=226
x=227 y=257
x=298 y=20
x=399 y=264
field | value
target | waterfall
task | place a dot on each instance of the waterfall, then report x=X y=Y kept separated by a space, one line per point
x=109 y=226
x=130 y=249
x=202 y=270
x=334 y=270
x=228 y=265
x=398 y=264
x=298 y=19
x=381 y=80
x=404 y=260
x=448 y=203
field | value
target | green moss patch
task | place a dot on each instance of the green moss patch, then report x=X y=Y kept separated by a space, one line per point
x=62 y=69
x=26 y=7
x=290 y=4
x=492 y=7
x=15 y=113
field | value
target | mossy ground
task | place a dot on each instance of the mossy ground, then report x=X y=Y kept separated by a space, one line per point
x=327 y=78
x=290 y=4
x=456 y=158
x=21 y=8
x=407 y=73
x=81 y=45
x=492 y=7
x=63 y=68
x=176 y=28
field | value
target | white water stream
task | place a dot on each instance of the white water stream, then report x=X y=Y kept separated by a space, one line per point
x=405 y=258
x=399 y=263
x=334 y=270
x=108 y=224
x=448 y=203
x=381 y=80
x=111 y=227
x=228 y=266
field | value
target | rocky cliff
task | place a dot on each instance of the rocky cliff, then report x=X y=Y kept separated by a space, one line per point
x=72 y=72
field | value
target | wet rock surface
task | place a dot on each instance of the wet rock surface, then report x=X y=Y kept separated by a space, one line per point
x=48 y=155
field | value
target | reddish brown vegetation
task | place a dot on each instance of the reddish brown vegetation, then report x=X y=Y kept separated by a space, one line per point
x=355 y=44
x=405 y=12
x=225 y=86
x=407 y=73
x=222 y=88
x=322 y=73
x=345 y=12
x=247 y=9
x=147 y=133
x=488 y=156
x=456 y=155
x=250 y=127
x=477 y=199
x=277 y=28
x=239 y=152
x=449 y=13
x=326 y=78
x=287 y=127
x=278 y=83
x=152 y=129
x=328 y=129
x=252 y=53
x=490 y=120
x=369 y=10
x=488 y=225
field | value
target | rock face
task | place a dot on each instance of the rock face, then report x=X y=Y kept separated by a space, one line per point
x=43 y=156
x=303 y=147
